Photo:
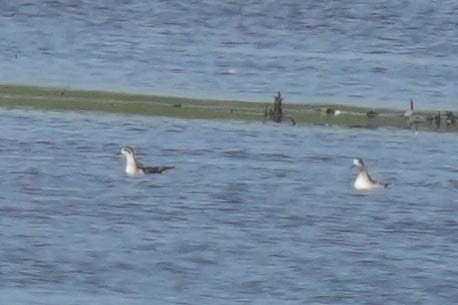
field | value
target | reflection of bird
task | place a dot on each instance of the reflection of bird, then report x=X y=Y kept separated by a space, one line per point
x=135 y=168
x=409 y=112
x=364 y=181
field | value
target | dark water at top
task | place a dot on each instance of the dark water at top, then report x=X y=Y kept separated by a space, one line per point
x=252 y=214
x=370 y=53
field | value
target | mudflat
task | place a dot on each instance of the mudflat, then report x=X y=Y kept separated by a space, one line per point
x=45 y=98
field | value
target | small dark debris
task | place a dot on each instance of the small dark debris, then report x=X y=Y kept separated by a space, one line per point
x=437 y=120
x=275 y=114
x=371 y=114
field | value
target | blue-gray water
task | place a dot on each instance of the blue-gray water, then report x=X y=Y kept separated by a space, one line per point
x=252 y=214
x=368 y=53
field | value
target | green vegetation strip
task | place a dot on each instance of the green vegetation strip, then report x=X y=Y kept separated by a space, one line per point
x=15 y=96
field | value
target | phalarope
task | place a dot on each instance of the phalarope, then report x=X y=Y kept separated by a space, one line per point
x=409 y=112
x=135 y=168
x=364 y=181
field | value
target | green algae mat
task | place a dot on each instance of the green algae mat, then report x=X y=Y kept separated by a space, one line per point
x=16 y=96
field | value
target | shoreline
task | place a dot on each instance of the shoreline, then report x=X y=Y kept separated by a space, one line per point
x=49 y=98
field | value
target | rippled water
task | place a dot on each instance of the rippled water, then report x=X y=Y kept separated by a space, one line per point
x=361 y=52
x=253 y=213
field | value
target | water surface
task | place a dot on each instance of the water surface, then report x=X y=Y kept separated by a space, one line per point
x=355 y=52
x=252 y=214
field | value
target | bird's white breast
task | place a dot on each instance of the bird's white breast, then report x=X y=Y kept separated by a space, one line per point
x=131 y=167
x=363 y=182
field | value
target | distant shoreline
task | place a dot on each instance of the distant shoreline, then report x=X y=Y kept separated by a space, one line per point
x=48 y=98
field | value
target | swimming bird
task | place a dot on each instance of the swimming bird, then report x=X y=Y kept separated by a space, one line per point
x=409 y=112
x=135 y=168
x=450 y=118
x=364 y=181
